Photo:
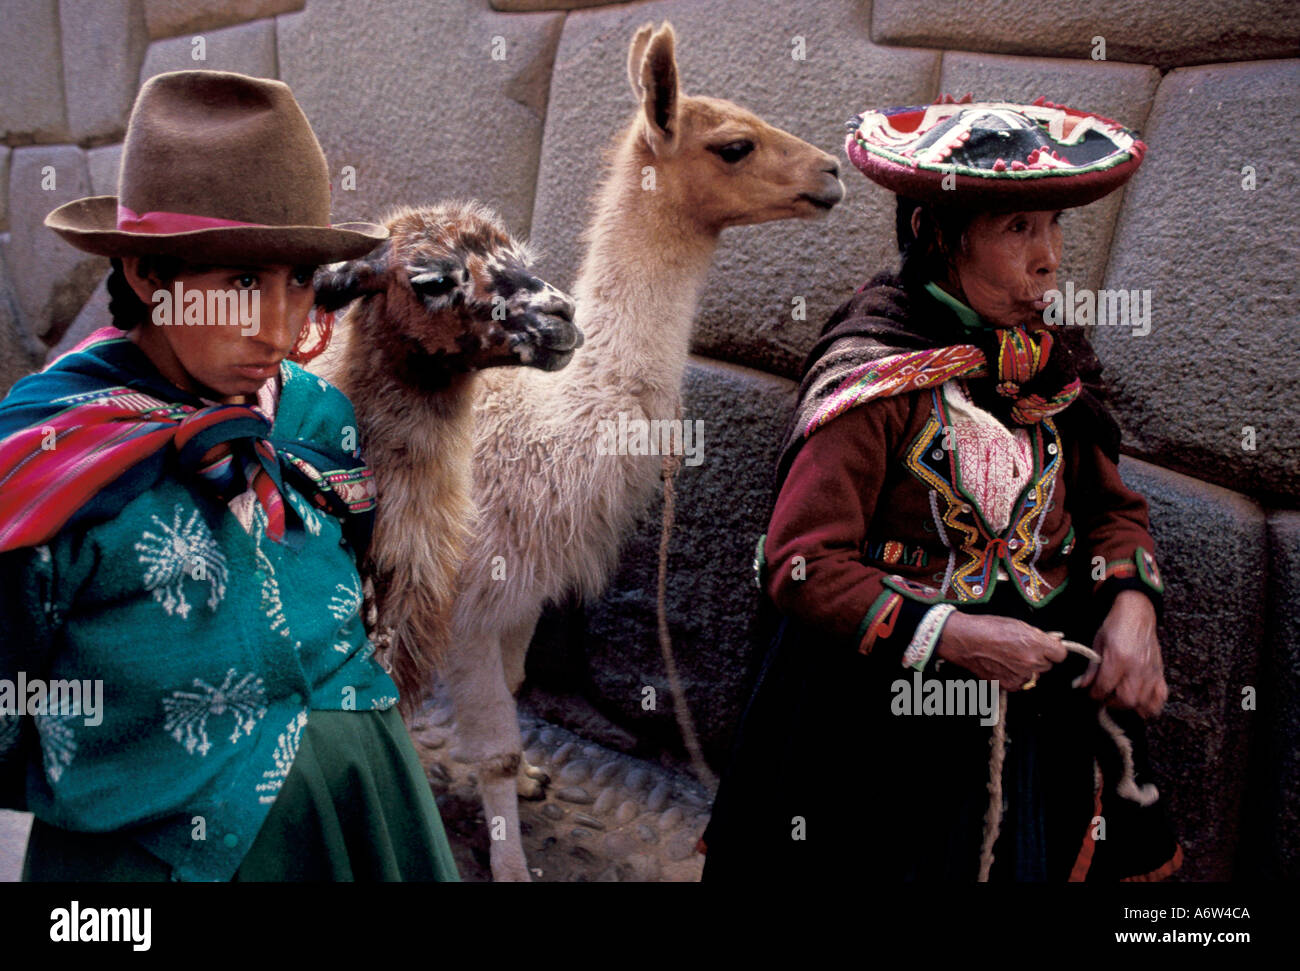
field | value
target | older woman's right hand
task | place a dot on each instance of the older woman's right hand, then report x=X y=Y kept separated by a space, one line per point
x=998 y=648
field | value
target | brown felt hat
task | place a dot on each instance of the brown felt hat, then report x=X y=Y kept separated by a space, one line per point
x=217 y=168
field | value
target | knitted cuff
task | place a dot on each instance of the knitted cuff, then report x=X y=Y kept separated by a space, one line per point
x=926 y=637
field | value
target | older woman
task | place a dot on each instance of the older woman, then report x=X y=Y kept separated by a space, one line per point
x=949 y=515
x=182 y=515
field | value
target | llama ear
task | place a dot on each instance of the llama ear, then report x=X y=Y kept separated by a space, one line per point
x=656 y=86
x=338 y=284
x=634 y=54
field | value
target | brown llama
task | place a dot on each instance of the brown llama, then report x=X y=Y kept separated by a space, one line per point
x=553 y=507
x=450 y=293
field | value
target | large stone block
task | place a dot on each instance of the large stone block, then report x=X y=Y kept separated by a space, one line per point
x=19 y=351
x=1211 y=389
x=424 y=101
x=31 y=108
x=51 y=278
x=1164 y=34
x=1212 y=551
x=721 y=508
x=739 y=50
x=104 y=163
x=1119 y=91
x=103 y=47
x=528 y=6
x=93 y=316
x=1272 y=848
x=246 y=49
x=4 y=188
x=168 y=18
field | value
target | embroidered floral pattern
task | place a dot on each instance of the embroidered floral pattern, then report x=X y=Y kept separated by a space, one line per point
x=286 y=750
x=58 y=744
x=187 y=712
x=976 y=547
x=346 y=602
x=181 y=552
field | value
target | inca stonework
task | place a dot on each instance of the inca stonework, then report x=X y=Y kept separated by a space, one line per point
x=516 y=110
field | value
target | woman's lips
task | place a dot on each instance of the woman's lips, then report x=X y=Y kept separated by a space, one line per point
x=258 y=371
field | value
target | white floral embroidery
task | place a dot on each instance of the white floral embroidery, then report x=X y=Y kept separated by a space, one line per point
x=346 y=603
x=188 y=711
x=310 y=519
x=286 y=749
x=58 y=746
x=383 y=702
x=272 y=605
x=182 y=551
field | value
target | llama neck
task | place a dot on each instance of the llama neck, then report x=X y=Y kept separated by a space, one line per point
x=638 y=289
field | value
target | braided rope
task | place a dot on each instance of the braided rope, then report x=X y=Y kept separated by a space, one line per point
x=683 y=714
x=997 y=756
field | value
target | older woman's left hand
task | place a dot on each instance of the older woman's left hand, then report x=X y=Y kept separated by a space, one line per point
x=1131 y=672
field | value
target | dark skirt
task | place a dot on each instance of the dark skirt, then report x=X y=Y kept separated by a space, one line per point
x=826 y=781
x=356 y=806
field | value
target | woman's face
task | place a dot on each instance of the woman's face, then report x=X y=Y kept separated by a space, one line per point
x=1008 y=261
x=259 y=311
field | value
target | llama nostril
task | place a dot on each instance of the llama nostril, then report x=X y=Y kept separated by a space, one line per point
x=832 y=169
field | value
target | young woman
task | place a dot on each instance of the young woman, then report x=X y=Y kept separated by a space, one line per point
x=182 y=511
x=948 y=507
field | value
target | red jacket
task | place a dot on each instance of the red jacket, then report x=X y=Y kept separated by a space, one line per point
x=871 y=526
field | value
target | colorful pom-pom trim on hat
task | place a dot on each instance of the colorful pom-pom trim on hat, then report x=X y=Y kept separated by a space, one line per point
x=994 y=155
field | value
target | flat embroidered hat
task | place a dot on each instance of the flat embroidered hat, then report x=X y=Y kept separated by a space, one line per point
x=994 y=155
x=217 y=168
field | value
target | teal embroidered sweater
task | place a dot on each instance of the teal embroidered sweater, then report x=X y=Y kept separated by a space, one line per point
x=212 y=645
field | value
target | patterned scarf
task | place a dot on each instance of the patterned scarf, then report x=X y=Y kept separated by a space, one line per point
x=100 y=425
x=886 y=340
x=1011 y=355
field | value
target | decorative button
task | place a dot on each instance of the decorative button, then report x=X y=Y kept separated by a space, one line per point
x=230 y=839
x=1051 y=449
x=978 y=589
x=965 y=507
x=937 y=453
x=938 y=577
x=1014 y=544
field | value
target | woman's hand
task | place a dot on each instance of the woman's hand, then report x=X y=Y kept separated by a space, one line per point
x=998 y=648
x=1131 y=673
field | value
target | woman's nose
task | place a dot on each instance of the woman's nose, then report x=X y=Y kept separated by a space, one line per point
x=275 y=326
x=1046 y=255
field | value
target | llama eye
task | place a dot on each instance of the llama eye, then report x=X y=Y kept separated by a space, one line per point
x=733 y=152
x=433 y=284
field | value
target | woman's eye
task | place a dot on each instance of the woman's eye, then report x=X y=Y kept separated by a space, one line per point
x=246 y=281
x=733 y=152
x=304 y=275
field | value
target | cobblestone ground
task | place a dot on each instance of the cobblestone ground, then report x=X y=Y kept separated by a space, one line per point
x=605 y=816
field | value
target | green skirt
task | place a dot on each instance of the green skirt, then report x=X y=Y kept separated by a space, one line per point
x=355 y=806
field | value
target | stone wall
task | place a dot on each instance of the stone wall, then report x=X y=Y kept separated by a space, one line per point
x=410 y=95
